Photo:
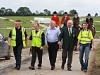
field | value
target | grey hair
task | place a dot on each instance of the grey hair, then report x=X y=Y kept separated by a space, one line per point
x=70 y=21
x=52 y=22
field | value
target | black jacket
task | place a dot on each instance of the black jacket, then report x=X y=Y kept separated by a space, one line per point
x=68 y=41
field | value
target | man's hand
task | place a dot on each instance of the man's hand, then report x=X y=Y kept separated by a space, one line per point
x=59 y=42
x=77 y=47
x=41 y=48
x=47 y=46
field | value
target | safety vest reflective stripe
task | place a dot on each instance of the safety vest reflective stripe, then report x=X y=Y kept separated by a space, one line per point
x=13 y=39
x=36 y=36
x=85 y=41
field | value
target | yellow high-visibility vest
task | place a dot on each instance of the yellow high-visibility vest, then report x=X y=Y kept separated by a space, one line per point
x=13 y=38
x=85 y=36
x=36 y=38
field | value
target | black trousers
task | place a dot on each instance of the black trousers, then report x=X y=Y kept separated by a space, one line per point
x=67 y=53
x=36 y=50
x=17 y=53
x=52 y=51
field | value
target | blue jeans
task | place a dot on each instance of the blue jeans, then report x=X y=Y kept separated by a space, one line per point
x=17 y=53
x=84 y=48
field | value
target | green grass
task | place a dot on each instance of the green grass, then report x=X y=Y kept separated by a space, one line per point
x=25 y=22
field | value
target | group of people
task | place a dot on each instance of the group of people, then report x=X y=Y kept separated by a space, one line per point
x=71 y=35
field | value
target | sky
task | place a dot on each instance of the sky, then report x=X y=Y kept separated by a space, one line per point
x=83 y=7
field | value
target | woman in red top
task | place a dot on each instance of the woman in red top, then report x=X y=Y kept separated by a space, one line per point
x=65 y=18
x=55 y=18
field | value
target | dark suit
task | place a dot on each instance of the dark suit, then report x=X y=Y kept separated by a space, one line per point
x=68 y=44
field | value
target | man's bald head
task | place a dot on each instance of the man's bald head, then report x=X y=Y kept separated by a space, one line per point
x=52 y=24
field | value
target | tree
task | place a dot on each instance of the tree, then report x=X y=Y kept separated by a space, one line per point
x=61 y=12
x=2 y=11
x=37 y=13
x=41 y=14
x=23 y=11
x=71 y=12
x=47 y=12
x=9 y=12
x=96 y=14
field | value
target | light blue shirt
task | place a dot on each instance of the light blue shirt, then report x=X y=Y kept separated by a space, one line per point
x=52 y=35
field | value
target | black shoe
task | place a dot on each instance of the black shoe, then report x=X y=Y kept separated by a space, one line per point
x=62 y=67
x=18 y=67
x=69 y=69
x=32 y=68
x=52 y=67
x=39 y=67
x=82 y=69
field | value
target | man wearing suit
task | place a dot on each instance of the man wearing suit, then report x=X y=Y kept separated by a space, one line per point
x=69 y=36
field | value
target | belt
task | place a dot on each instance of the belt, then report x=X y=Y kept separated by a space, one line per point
x=53 y=42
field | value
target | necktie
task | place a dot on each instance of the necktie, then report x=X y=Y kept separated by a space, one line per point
x=69 y=32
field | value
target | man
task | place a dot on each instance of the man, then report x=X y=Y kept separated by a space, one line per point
x=17 y=39
x=64 y=19
x=69 y=36
x=37 y=43
x=84 y=39
x=51 y=39
x=55 y=18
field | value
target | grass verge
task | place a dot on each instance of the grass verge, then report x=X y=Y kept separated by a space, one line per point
x=96 y=63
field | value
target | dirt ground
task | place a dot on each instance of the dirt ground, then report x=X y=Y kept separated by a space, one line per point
x=46 y=66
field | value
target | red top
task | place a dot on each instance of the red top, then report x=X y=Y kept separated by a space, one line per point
x=62 y=21
x=56 y=19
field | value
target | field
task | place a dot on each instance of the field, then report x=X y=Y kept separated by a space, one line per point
x=25 y=22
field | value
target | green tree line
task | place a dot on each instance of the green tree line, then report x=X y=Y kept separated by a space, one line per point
x=25 y=11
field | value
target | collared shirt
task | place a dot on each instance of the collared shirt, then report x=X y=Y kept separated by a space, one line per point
x=52 y=35
x=70 y=29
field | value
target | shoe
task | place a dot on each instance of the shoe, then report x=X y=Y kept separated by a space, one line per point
x=82 y=69
x=39 y=67
x=62 y=67
x=69 y=69
x=18 y=67
x=85 y=70
x=32 y=68
x=52 y=67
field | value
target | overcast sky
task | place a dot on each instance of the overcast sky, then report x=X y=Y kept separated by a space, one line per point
x=83 y=7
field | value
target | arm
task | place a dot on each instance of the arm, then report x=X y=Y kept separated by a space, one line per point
x=43 y=39
x=46 y=39
x=26 y=37
x=78 y=43
x=68 y=18
x=58 y=21
x=76 y=34
x=61 y=34
x=9 y=38
x=62 y=20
